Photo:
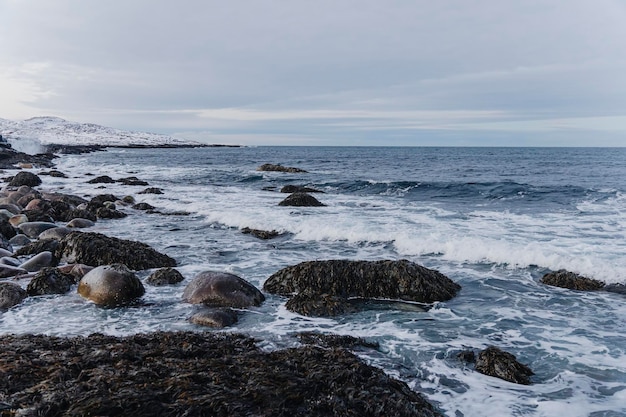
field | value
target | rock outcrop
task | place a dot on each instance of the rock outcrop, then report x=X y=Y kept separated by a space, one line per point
x=495 y=362
x=571 y=280
x=279 y=168
x=301 y=200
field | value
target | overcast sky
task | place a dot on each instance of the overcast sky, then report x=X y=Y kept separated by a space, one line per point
x=338 y=72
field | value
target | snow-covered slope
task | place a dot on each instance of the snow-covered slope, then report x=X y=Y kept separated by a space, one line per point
x=54 y=130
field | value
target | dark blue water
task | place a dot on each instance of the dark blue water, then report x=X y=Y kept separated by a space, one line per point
x=492 y=219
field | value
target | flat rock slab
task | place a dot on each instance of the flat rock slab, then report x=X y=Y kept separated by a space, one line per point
x=193 y=374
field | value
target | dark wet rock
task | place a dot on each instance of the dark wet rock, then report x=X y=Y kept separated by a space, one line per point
x=151 y=190
x=220 y=289
x=9 y=158
x=7 y=271
x=79 y=214
x=96 y=249
x=99 y=200
x=38 y=246
x=10 y=295
x=132 y=181
x=289 y=189
x=6 y=229
x=78 y=271
x=33 y=229
x=19 y=240
x=301 y=200
x=38 y=216
x=216 y=318
x=335 y=340
x=10 y=260
x=70 y=199
x=111 y=286
x=13 y=208
x=261 y=234
x=108 y=213
x=5 y=244
x=279 y=168
x=616 y=288
x=73 y=149
x=80 y=223
x=467 y=356
x=25 y=178
x=495 y=362
x=39 y=261
x=50 y=281
x=319 y=305
x=143 y=206
x=54 y=173
x=572 y=281
x=103 y=179
x=35 y=203
x=326 y=283
x=165 y=276
x=194 y=374
x=56 y=233
x=128 y=199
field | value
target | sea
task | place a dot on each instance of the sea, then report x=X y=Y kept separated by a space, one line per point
x=494 y=220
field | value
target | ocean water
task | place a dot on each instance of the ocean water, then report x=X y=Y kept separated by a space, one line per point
x=492 y=219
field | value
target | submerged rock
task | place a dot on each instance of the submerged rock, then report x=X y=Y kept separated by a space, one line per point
x=110 y=285
x=324 y=287
x=301 y=200
x=194 y=374
x=335 y=340
x=216 y=318
x=571 y=280
x=495 y=362
x=279 y=168
x=96 y=249
x=165 y=276
x=220 y=289
x=261 y=234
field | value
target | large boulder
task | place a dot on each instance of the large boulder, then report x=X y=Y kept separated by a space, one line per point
x=495 y=362
x=25 y=178
x=321 y=286
x=50 y=281
x=221 y=289
x=111 y=286
x=301 y=200
x=41 y=260
x=34 y=229
x=571 y=280
x=96 y=249
x=10 y=295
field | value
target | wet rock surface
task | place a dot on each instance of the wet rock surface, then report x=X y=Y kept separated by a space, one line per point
x=50 y=281
x=324 y=287
x=261 y=234
x=111 y=286
x=165 y=276
x=221 y=289
x=10 y=295
x=279 y=168
x=571 y=280
x=96 y=249
x=500 y=364
x=301 y=200
x=193 y=374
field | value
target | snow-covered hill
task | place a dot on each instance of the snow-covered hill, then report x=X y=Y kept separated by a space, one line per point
x=32 y=133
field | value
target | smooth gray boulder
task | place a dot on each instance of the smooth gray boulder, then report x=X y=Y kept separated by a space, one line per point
x=34 y=229
x=221 y=289
x=41 y=260
x=111 y=286
x=216 y=318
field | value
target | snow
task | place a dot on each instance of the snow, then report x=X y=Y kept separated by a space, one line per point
x=32 y=133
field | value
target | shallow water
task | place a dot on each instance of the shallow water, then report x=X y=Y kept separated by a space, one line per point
x=492 y=219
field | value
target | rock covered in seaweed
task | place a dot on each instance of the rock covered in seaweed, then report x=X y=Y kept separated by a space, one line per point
x=571 y=280
x=301 y=200
x=194 y=374
x=110 y=285
x=50 y=281
x=221 y=289
x=323 y=287
x=279 y=168
x=500 y=364
x=10 y=295
x=96 y=249
x=165 y=276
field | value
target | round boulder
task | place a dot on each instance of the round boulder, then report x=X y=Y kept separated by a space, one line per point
x=56 y=233
x=10 y=295
x=216 y=318
x=25 y=178
x=80 y=223
x=34 y=229
x=301 y=200
x=221 y=289
x=41 y=260
x=110 y=286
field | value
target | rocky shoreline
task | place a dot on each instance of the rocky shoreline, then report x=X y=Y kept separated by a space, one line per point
x=204 y=373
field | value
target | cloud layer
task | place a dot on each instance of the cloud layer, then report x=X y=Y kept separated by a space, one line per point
x=326 y=72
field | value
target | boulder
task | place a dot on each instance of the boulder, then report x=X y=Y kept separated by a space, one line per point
x=50 y=281
x=25 y=178
x=216 y=318
x=108 y=213
x=165 y=276
x=9 y=260
x=38 y=216
x=18 y=219
x=221 y=289
x=617 y=288
x=34 y=229
x=132 y=181
x=80 y=223
x=103 y=179
x=10 y=295
x=78 y=271
x=6 y=229
x=96 y=249
x=19 y=240
x=111 y=286
x=572 y=281
x=7 y=271
x=38 y=246
x=151 y=190
x=279 y=168
x=495 y=362
x=143 y=206
x=289 y=189
x=301 y=200
x=41 y=260
x=319 y=305
x=328 y=283
x=261 y=234
x=56 y=233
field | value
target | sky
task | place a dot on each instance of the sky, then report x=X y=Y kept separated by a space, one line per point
x=323 y=72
